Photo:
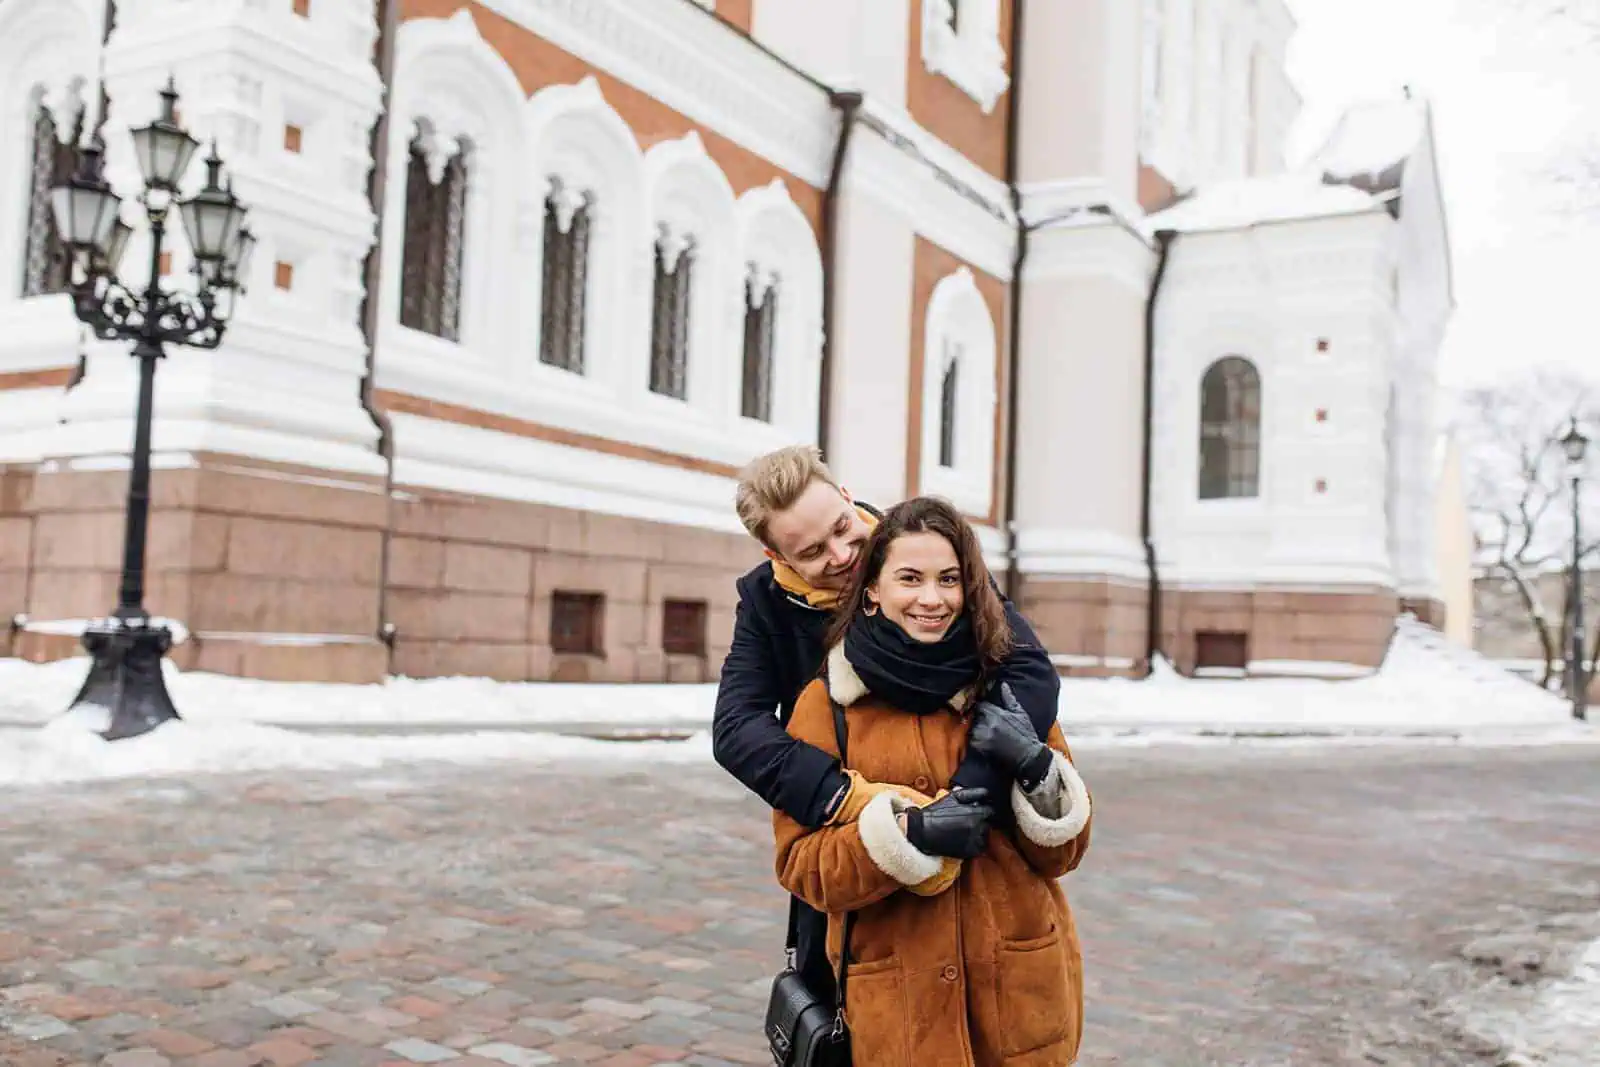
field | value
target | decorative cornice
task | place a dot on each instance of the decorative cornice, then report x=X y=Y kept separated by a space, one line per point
x=697 y=67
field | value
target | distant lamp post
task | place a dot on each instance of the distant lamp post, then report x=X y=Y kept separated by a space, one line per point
x=128 y=647
x=1576 y=445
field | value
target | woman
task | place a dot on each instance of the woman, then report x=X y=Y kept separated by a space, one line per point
x=962 y=948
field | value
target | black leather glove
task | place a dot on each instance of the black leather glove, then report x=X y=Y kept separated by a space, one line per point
x=955 y=825
x=1004 y=734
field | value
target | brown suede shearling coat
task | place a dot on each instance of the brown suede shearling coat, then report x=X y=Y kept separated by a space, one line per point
x=984 y=974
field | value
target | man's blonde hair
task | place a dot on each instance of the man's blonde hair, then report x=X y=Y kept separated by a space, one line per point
x=773 y=482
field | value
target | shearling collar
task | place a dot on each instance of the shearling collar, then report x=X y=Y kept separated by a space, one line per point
x=846 y=686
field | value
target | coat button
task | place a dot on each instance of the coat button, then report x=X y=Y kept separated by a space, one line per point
x=923 y=783
x=951 y=974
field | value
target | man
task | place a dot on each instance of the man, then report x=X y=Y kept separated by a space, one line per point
x=814 y=533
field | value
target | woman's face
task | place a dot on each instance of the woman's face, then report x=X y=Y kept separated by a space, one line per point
x=919 y=587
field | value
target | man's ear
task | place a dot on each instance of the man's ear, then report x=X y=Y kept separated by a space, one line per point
x=771 y=554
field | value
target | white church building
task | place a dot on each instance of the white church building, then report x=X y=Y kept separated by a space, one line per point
x=535 y=277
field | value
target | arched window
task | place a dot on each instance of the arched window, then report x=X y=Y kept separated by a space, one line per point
x=44 y=265
x=563 y=292
x=669 y=315
x=592 y=252
x=452 y=220
x=435 y=238
x=760 y=323
x=695 y=331
x=1230 y=430
x=959 y=394
x=782 y=335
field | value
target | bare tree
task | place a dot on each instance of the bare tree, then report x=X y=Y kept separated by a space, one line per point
x=1520 y=495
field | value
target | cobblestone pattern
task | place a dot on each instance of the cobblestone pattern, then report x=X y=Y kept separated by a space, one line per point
x=1237 y=907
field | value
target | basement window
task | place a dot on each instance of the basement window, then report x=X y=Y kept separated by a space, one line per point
x=577 y=624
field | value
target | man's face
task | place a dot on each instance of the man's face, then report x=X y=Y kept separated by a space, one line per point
x=820 y=536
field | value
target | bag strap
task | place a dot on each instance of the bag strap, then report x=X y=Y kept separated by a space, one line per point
x=841 y=732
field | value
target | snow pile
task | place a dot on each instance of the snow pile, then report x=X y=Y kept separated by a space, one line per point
x=1232 y=205
x=1559 y=1025
x=68 y=750
x=1426 y=685
x=36 y=693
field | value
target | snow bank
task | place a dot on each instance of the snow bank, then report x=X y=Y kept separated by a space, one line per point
x=67 y=750
x=1425 y=684
x=1426 y=687
x=36 y=693
x=1558 y=1025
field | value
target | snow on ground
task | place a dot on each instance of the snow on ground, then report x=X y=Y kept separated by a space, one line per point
x=1556 y=1024
x=67 y=750
x=1425 y=685
x=1426 y=689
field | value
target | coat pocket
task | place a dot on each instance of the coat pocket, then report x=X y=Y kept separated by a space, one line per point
x=875 y=1011
x=1037 y=1005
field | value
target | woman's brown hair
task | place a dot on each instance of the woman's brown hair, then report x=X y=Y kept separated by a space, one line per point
x=929 y=514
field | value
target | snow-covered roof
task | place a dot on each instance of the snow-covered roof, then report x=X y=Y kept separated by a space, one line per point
x=1372 y=141
x=1246 y=202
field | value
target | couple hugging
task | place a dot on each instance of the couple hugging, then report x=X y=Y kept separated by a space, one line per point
x=925 y=863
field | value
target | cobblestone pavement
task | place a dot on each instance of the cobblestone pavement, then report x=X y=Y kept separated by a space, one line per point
x=1239 y=906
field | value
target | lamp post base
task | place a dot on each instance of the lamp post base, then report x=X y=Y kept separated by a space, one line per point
x=125 y=679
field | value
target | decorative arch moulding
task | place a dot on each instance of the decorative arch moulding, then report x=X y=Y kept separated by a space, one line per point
x=571 y=137
x=959 y=327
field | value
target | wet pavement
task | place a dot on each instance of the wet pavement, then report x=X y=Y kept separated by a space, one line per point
x=1240 y=905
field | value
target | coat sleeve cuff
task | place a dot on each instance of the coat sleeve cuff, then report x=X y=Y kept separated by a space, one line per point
x=1074 y=808
x=888 y=847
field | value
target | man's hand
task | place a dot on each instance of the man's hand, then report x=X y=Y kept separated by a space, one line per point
x=861 y=792
x=1003 y=733
x=955 y=825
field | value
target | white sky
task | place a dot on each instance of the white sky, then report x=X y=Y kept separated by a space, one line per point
x=1515 y=86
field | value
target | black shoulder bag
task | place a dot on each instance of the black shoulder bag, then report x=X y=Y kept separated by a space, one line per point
x=803 y=1029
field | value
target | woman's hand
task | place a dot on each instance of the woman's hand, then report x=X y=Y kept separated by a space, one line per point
x=956 y=825
x=1004 y=734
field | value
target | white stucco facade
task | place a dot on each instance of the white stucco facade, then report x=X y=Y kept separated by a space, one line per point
x=894 y=269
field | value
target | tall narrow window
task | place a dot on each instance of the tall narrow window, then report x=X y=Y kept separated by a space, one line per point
x=435 y=243
x=1230 y=430
x=760 y=321
x=669 y=320
x=44 y=265
x=947 y=406
x=567 y=221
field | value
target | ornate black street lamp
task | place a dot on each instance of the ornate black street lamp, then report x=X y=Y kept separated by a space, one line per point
x=1575 y=444
x=128 y=646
